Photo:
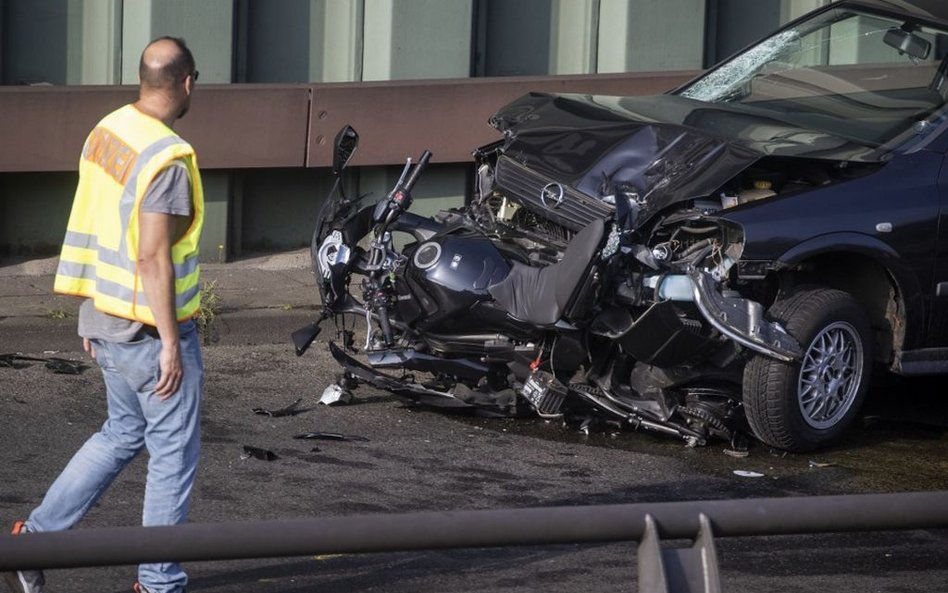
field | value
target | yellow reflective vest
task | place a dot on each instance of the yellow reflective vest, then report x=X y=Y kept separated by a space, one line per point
x=99 y=259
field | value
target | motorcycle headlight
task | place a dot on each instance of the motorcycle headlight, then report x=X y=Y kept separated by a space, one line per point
x=332 y=252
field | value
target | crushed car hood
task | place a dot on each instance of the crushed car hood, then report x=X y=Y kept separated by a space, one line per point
x=664 y=148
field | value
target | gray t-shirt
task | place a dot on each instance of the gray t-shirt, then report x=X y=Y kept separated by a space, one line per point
x=169 y=193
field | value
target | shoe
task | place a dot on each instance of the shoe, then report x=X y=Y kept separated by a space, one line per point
x=24 y=581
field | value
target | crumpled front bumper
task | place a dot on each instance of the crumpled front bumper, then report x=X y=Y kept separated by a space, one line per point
x=742 y=320
x=739 y=319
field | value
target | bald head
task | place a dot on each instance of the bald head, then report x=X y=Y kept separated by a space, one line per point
x=164 y=64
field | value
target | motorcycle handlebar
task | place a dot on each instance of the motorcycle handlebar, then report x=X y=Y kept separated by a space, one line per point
x=398 y=202
x=400 y=198
x=416 y=172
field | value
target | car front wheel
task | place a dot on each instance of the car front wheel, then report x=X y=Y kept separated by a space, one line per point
x=809 y=404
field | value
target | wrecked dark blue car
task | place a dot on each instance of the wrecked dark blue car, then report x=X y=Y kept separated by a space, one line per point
x=789 y=208
x=734 y=257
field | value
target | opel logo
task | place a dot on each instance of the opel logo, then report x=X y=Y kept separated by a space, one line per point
x=552 y=195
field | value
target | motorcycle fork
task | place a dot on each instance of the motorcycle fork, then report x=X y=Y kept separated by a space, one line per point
x=378 y=301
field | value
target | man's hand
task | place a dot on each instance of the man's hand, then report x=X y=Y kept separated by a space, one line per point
x=88 y=347
x=171 y=372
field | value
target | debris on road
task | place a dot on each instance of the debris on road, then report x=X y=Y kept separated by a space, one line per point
x=61 y=366
x=258 y=453
x=14 y=361
x=334 y=395
x=329 y=436
x=747 y=473
x=291 y=410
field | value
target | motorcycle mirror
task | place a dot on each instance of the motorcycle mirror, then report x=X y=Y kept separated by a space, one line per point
x=345 y=144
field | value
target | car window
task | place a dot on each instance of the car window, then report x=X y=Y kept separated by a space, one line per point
x=865 y=77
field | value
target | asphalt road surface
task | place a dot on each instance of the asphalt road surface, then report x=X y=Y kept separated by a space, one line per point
x=419 y=460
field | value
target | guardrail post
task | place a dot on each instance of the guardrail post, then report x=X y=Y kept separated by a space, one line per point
x=678 y=570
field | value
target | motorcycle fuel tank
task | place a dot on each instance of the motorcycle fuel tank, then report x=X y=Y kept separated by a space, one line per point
x=456 y=271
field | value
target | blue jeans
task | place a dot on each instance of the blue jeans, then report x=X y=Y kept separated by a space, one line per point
x=169 y=429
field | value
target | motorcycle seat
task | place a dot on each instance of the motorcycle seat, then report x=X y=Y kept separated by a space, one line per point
x=540 y=295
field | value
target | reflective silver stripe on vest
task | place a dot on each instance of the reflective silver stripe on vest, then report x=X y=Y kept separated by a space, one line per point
x=74 y=270
x=185 y=297
x=127 y=201
x=188 y=266
x=127 y=204
x=112 y=257
x=81 y=240
x=118 y=291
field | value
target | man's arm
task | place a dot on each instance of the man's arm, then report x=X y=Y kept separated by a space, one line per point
x=156 y=235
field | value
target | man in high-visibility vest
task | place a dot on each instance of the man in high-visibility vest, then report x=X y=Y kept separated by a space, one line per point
x=131 y=251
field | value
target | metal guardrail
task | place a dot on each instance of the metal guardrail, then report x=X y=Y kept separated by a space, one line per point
x=239 y=126
x=675 y=570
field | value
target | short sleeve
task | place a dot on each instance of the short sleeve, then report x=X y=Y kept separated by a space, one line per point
x=170 y=191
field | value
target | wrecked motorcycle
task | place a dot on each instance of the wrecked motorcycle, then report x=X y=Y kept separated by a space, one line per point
x=504 y=323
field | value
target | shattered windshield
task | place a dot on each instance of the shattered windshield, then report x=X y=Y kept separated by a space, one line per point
x=861 y=76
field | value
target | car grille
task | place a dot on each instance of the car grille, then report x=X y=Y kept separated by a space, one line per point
x=524 y=185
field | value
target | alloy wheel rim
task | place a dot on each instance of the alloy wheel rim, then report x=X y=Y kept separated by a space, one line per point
x=830 y=375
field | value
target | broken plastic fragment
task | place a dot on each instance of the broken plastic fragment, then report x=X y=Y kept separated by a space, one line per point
x=819 y=464
x=62 y=366
x=335 y=395
x=329 y=436
x=747 y=473
x=57 y=365
x=15 y=361
x=737 y=452
x=10 y=360
x=258 y=453
x=291 y=410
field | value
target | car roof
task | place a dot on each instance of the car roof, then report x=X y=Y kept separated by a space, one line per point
x=935 y=11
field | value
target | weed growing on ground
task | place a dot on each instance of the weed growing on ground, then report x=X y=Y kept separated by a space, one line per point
x=210 y=306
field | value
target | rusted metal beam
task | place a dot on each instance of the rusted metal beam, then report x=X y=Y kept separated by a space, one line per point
x=239 y=126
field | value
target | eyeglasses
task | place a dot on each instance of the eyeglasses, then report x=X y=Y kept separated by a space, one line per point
x=194 y=75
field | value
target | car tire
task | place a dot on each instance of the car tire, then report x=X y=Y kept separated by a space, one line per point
x=805 y=405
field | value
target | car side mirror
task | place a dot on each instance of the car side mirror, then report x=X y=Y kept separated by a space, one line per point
x=907 y=42
x=347 y=140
